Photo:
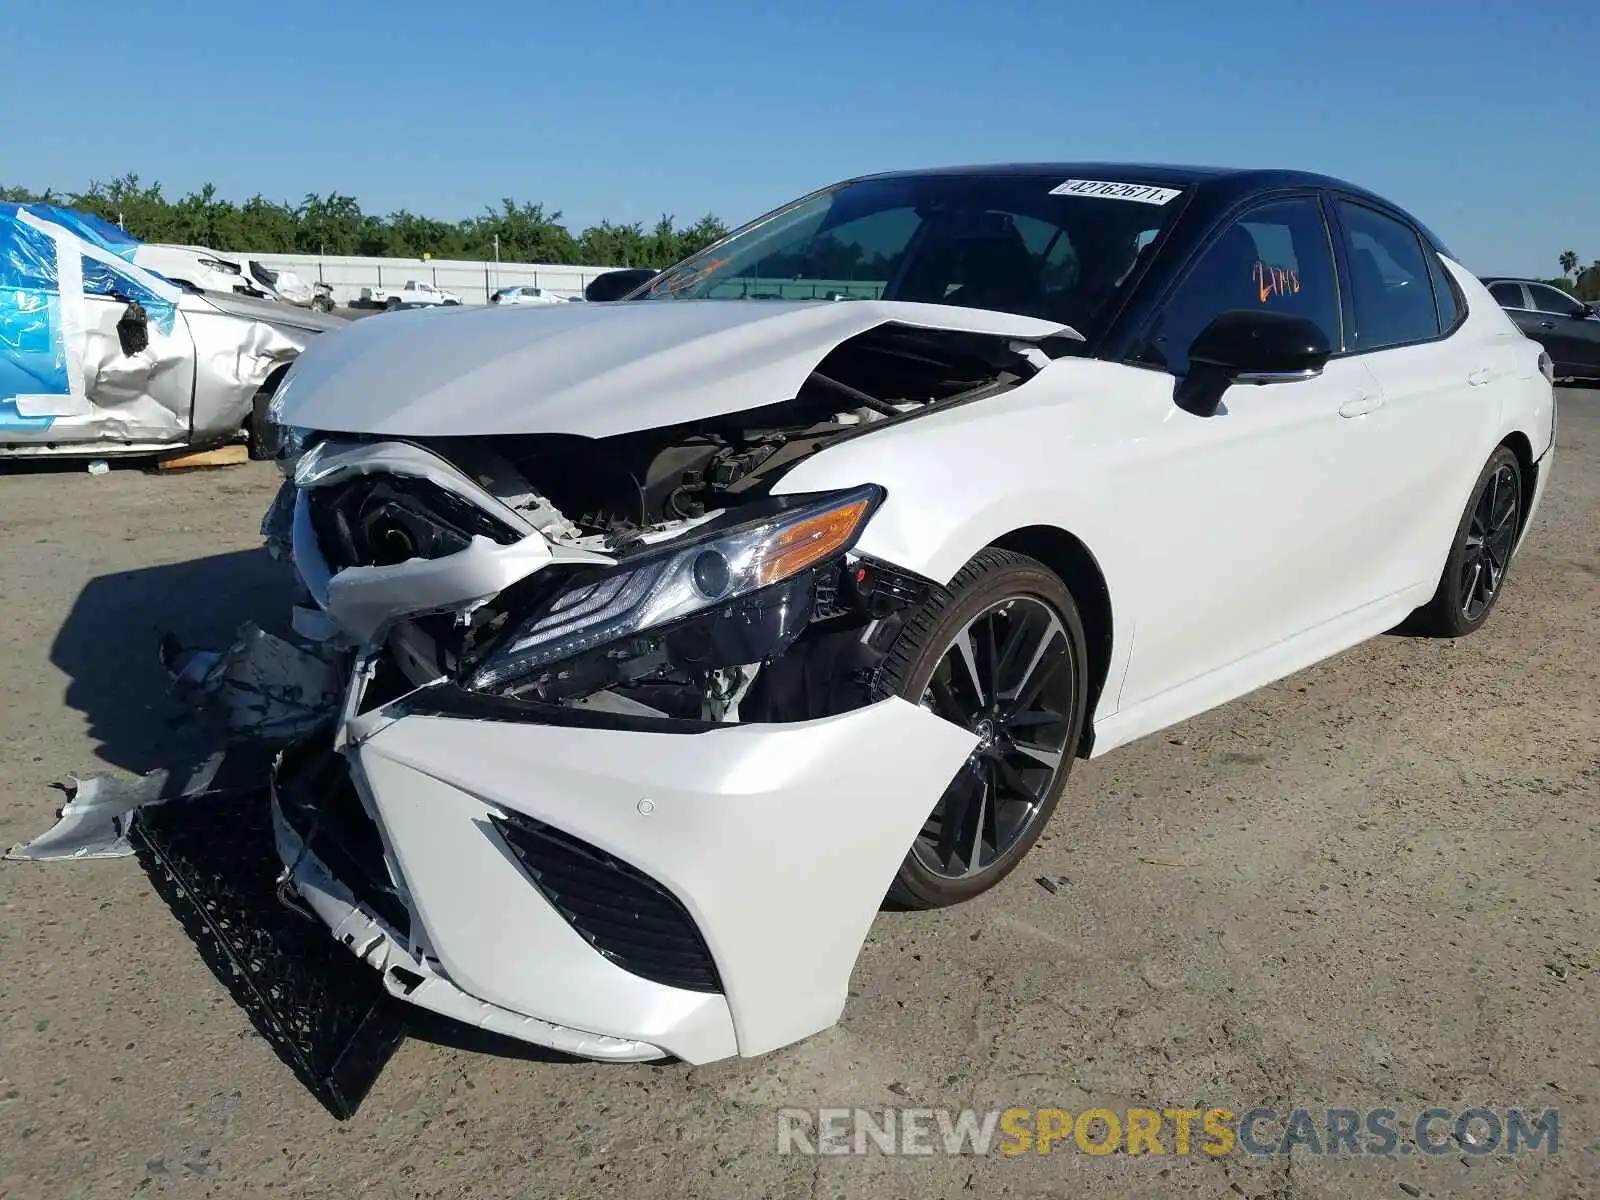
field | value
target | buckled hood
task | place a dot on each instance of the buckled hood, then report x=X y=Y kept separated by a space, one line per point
x=588 y=369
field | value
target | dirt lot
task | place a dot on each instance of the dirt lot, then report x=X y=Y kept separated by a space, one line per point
x=1375 y=884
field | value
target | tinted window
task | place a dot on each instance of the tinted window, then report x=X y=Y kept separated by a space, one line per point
x=1445 y=297
x=1507 y=295
x=1552 y=300
x=1390 y=287
x=1275 y=257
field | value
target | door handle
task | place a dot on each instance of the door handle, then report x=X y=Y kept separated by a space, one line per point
x=1360 y=406
x=1479 y=377
x=1547 y=324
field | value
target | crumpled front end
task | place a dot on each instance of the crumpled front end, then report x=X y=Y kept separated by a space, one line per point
x=613 y=892
x=613 y=773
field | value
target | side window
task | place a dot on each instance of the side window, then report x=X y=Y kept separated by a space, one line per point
x=1445 y=296
x=1390 y=287
x=1553 y=300
x=1508 y=295
x=103 y=279
x=1276 y=256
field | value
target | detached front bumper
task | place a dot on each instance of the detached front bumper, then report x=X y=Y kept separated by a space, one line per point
x=544 y=881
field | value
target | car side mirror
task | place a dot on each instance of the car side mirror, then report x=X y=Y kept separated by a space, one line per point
x=1254 y=346
x=614 y=285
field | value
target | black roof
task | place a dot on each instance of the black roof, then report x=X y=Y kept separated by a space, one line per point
x=1220 y=186
x=1162 y=174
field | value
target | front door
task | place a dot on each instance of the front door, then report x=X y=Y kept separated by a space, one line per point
x=1263 y=537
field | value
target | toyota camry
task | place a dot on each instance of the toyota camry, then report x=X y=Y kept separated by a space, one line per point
x=686 y=632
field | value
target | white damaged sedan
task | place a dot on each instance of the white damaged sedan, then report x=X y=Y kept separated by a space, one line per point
x=684 y=630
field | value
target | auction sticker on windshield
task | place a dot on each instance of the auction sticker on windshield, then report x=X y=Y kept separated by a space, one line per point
x=1142 y=192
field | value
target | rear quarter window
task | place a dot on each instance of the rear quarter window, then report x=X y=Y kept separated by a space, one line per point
x=1447 y=297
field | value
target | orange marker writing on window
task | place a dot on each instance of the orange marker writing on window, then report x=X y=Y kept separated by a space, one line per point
x=1274 y=281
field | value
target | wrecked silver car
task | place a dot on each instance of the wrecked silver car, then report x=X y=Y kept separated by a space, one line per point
x=101 y=356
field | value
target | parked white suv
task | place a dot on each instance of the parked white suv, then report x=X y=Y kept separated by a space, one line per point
x=413 y=294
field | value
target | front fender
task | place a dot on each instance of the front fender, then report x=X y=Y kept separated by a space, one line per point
x=937 y=515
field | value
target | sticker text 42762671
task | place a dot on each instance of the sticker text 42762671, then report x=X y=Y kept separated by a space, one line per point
x=1141 y=193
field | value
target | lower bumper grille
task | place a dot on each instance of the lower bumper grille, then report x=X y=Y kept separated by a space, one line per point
x=623 y=913
x=319 y=802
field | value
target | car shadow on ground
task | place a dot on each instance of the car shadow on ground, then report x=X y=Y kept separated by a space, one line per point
x=108 y=644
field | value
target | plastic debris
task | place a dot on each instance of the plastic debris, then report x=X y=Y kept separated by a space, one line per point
x=95 y=820
x=266 y=692
x=99 y=467
x=262 y=686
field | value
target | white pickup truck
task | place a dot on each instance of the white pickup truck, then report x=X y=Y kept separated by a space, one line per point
x=414 y=293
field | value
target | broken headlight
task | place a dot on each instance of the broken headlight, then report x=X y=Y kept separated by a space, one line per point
x=718 y=568
x=286 y=443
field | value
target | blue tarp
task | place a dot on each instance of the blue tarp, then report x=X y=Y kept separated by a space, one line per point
x=89 y=227
x=33 y=353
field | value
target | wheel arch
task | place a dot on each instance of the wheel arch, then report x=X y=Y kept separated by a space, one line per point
x=1528 y=468
x=255 y=420
x=1076 y=566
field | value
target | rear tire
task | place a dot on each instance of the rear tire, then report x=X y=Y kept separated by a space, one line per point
x=1001 y=652
x=392 y=304
x=263 y=436
x=1474 y=573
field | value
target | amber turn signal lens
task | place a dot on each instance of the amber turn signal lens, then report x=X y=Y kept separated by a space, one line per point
x=811 y=540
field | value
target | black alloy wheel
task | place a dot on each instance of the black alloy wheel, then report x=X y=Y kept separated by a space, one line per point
x=1491 y=536
x=1475 y=573
x=1000 y=653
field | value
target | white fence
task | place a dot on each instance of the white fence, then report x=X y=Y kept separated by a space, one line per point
x=472 y=281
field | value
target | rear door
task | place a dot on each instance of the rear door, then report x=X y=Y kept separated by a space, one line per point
x=1441 y=382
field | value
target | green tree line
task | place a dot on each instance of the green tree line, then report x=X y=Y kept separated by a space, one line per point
x=1584 y=284
x=336 y=224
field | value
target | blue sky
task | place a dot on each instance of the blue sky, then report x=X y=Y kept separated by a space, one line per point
x=1484 y=118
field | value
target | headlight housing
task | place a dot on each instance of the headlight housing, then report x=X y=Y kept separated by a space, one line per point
x=718 y=570
x=287 y=442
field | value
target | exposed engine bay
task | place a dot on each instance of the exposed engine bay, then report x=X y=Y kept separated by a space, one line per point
x=628 y=485
x=681 y=588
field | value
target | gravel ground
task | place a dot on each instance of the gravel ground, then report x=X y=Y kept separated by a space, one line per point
x=1374 y=884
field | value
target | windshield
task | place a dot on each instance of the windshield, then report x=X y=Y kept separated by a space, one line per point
x=1013 y=243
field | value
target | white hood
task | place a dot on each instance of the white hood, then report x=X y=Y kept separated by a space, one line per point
x=587 y=369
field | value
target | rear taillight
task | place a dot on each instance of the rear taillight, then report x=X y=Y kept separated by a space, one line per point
x=1547 y=366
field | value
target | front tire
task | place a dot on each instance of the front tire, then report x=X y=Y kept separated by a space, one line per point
x=1000 y=652
x=1474 y=574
